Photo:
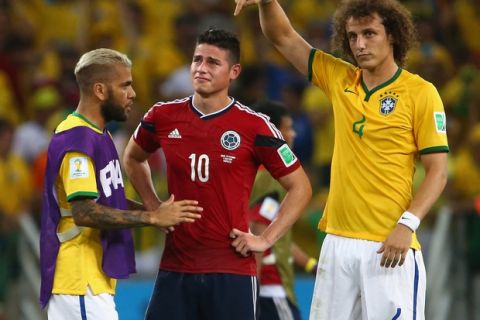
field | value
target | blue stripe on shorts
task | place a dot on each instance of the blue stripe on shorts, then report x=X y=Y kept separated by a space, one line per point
x=83 y=312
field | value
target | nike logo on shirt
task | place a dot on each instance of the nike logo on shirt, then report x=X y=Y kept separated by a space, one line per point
x=350 y=91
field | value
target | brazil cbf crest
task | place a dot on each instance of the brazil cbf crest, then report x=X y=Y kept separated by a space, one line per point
x=230 y=140
x=388 y=102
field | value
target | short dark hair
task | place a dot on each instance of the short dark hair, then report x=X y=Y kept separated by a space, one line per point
x=396 y=19
x=275 y=110
x=222 y=39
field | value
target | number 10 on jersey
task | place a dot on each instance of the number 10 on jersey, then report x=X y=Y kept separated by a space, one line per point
x=199 y=167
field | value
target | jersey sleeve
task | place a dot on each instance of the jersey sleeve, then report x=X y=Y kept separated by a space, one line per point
x=77 y=172
x=144 y=135
x=323 y=67
x=430 y=123
x=274 y=153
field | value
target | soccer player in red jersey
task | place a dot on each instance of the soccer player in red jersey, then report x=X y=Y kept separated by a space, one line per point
x=213 y=147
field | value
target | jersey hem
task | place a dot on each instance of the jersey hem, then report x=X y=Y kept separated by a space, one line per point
x=79 y=292
x=367 y=237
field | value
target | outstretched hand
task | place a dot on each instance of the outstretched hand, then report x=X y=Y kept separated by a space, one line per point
x=245 y=243
x=244 y=3
x=171 y=213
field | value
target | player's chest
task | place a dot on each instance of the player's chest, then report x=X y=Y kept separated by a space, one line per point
x=386 y=112
x=223 y=144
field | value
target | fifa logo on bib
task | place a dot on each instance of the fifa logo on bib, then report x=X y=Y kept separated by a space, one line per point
x=388 y=102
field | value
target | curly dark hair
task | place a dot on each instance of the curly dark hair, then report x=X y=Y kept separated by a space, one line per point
x=396 y=19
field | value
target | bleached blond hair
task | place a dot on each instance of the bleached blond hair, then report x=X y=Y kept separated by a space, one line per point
x=98 y=66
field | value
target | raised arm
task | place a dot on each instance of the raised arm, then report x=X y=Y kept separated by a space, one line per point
x=138 y=171
x=277 y=28
x=299 y=192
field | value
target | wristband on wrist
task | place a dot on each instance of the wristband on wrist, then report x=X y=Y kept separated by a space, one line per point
x=410 y=220
x=311 y=263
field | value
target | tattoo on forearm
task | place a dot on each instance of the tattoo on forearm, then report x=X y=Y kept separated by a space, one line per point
x=91 y=214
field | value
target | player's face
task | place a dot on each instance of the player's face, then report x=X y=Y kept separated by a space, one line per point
x=369 y=42
x=120 y=96
x=286 y=128
x=211 y=70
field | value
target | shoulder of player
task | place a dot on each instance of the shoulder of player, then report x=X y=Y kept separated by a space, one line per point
x=77 y=122
x=252 y=120
x=340 y=65
x=255 y=122
x=253 y=117
x=169 y=106
x=413 y=80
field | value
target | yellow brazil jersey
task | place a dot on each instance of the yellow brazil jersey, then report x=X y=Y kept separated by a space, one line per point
x=378 y=135
x=79 y=261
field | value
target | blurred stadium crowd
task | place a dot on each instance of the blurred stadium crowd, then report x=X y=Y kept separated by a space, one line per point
x=41 y=40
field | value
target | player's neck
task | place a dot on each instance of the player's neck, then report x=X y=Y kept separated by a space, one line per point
x=373 y=77
x=210 y=104
x=91 y=113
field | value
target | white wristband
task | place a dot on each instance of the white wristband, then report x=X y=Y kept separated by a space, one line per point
x=410 y=220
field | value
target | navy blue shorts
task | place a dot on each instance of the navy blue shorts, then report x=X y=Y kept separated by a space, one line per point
x=277 y=309
x=204 y=296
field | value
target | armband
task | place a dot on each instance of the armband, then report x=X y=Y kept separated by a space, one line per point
x=311 y=264
x=410 y=220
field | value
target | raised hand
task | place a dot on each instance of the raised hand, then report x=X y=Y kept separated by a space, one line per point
x=171 y=213
x=244 y=3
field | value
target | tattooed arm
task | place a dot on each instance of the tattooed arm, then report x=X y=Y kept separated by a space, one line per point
x=88 y=213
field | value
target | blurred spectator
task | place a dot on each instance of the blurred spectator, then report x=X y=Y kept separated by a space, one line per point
x=16 y=61
x=464 y=193
x=467 y=14
x=15 y=189
x=320 y=112
x=31 y=137
x=249 y=88
x=303 y=144
x=461 y=97
x=178 y=83
x=430 y=59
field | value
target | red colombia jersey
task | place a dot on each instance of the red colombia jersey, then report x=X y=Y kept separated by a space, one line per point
x=213 y=159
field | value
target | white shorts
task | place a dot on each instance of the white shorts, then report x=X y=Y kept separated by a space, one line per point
x=89 y=307
x=351 y=284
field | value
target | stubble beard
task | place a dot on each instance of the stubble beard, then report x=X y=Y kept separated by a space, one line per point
x=112 y=111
